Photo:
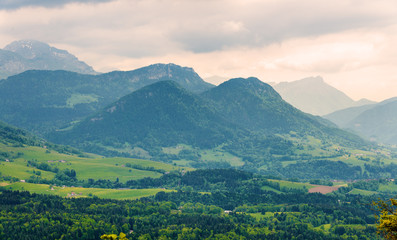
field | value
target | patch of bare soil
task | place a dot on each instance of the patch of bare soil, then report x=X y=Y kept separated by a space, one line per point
x=323 y=189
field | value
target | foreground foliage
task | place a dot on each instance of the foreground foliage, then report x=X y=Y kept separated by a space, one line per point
x=387 y=225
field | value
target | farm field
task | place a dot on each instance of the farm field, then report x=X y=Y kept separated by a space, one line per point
x=120 y=194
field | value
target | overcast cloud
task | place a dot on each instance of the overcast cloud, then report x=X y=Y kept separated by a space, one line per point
x=15 y=4
x=349 y=43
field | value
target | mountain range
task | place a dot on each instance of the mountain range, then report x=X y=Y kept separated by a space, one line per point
x=313 y=95
x=23 y=55
x=377 y=122
x=243 y=117
x=41 y=100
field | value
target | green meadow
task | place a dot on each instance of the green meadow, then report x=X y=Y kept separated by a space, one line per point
x=121 y=194
x=293 y=185
x=86 y=168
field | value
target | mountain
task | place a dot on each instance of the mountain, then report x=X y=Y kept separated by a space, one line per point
x=141 y=77
x=23 y=55
x=159 y=115
x=241 y=121
x=256 y=106
x=377 y=122
x=42 y=101
x=314 y=96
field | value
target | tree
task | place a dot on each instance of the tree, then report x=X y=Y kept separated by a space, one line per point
x=114 y=236
x=387 y=219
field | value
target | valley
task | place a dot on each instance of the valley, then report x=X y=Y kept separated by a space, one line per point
x=189 y=156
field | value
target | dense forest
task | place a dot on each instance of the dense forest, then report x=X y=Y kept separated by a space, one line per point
x=207 y=204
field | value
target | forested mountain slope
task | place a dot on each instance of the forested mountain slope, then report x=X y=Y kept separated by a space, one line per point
x=42 y=101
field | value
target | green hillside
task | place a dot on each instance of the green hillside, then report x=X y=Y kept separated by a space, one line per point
x=160 y=115
x=29 y=162
x=26 y=157
x=255 y=105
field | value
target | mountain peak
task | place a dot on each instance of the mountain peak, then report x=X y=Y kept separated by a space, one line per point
x=252 y=85
x=23 y=55
x=246 y=82
x=30 y=48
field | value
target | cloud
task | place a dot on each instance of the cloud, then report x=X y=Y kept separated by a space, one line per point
x=266 y=22
x=271 y=39
x=16 y=4
x=137 y=28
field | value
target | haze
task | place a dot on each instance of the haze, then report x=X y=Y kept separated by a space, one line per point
x=349 y=43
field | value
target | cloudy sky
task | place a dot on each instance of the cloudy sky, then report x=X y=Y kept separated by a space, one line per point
x=350 y=43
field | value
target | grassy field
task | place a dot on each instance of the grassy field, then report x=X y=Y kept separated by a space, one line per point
x=390 y=187
x=86 y=168
x=324 y=227
x=293 y=185
x=362 y=192
x=213 y=155
x=221 y=156
x=267 y=188
x=83 y=192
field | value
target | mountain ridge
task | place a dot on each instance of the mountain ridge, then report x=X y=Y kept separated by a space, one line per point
x=42 y=100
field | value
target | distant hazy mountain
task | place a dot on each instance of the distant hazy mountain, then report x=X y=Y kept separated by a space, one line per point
x=314 y=96
x=41 y=101
x=23 y=55
x=245 y=116
x=215 y=79
x=377 y=122
x=345 y=116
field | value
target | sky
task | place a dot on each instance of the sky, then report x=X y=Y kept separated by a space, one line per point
x=350 y=43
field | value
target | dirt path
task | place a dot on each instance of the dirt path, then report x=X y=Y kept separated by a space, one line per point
x=324 y=189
